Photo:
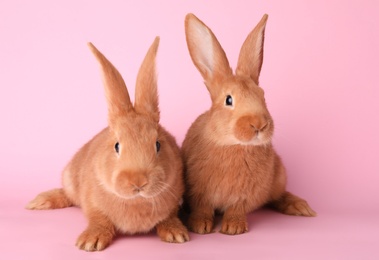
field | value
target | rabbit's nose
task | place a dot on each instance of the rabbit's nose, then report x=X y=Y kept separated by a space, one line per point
x=258 y=123
x=131 y=181
x=139 y=187
x=138 y=182
x=260 y=127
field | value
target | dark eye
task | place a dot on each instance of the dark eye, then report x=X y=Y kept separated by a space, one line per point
x=158 y=146
x=117 y=147
x=229 y=100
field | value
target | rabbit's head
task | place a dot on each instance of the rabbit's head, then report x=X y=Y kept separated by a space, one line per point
x=135 y=145
x=239 y=114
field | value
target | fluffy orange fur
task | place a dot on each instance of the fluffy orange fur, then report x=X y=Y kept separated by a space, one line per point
x=230 y=163
x=136 y=189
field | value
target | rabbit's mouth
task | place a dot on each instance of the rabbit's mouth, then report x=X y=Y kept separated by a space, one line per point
x=258 y=140
x=130 y=195
x=147 y=191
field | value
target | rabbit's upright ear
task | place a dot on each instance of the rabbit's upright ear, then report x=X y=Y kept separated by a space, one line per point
x=146 y=94
x=251 y=55
x=206 y=52
x=117 y=95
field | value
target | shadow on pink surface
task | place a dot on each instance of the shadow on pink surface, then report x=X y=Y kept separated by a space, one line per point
x=52 y=234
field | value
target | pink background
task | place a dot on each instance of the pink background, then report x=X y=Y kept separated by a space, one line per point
x=320 y=74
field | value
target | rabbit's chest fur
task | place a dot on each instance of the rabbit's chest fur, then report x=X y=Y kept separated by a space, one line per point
x=243 y=175
x=137 y=215
x=231 y=175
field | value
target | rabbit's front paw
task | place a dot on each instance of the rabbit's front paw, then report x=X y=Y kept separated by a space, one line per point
x=200 y=225
x=233 y=225
x=174 y=234
x=94 y=239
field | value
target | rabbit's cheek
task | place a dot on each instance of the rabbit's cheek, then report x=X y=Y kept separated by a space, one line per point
x=105 y=180
x=157 y=184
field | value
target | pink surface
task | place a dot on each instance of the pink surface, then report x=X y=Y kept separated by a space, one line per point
x=320 y=77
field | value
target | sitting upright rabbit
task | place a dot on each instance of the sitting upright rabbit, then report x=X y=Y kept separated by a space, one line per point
x=230 y=163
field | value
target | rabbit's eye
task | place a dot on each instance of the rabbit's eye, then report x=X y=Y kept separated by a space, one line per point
x=158 y=146
x=229 y=100
x=117 y=147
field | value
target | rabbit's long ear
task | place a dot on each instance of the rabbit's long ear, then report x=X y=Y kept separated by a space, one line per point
x=251 y=55
x=206 y=52
x=146 y=94
x=115 y=89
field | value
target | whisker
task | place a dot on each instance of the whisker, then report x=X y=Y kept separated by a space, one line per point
x=154 y=206
x=168 y=188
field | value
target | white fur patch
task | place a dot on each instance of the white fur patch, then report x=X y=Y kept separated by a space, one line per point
x=67 y=182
